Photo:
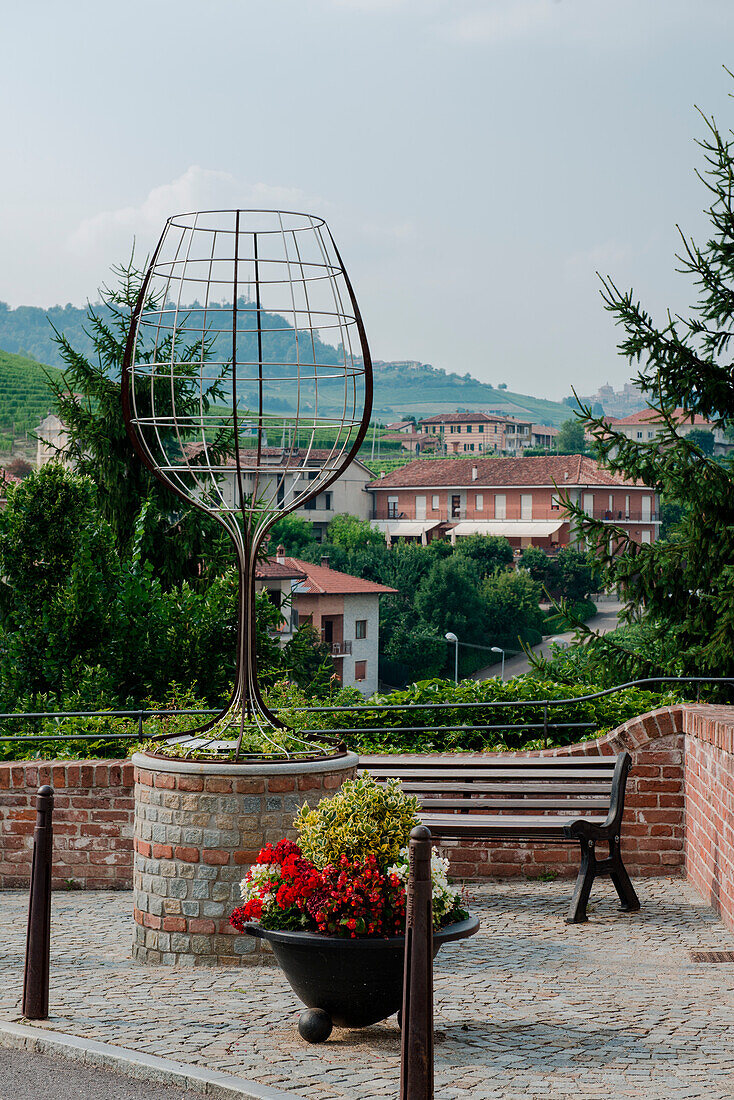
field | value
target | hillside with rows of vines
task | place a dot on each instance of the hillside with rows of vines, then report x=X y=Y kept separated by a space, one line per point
x=24 y=396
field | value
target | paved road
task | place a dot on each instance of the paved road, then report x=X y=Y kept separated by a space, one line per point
x=28 y=1076
x=605 y=620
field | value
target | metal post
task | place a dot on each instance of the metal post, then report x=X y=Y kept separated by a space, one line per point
x=416 y=1053
x=38 y=940
x=456 y=661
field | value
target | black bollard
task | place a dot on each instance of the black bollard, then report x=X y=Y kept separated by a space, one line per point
x=416 y=1053
x=38 y=941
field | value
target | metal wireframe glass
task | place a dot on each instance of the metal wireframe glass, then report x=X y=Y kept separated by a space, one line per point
x=247 y=386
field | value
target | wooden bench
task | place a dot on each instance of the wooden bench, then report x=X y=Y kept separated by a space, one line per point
x=550 y=800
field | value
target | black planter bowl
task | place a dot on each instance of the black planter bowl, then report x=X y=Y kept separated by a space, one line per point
x=350 y=983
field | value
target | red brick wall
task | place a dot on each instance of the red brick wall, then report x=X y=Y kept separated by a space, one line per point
x=93 y=822
x=709 y=788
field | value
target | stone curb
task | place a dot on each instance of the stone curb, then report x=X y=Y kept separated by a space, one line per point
x=142 y=1067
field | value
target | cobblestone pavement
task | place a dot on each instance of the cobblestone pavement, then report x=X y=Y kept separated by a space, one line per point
x=529 y=1009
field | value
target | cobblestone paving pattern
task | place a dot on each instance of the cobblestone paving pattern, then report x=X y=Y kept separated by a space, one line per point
x=529 y=1009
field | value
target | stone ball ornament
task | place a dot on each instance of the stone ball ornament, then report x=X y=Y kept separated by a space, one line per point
x=247 y=391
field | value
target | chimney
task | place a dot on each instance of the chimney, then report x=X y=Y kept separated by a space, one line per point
x=382 y=473
x=280 y=554
x=474 y=473
x=324 y=561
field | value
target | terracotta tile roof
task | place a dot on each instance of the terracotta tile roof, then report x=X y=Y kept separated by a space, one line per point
x=499 y=472
x=275 y=570
x=296 y=459
x=650 y=416
x=544 y=429
x=322 y=581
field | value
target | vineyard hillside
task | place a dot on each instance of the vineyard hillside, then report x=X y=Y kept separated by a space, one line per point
x=24 y=395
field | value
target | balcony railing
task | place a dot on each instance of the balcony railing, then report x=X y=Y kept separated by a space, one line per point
x=622 y=515
x=341 y=649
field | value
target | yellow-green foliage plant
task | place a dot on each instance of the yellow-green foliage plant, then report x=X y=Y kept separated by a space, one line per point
x=364 y=818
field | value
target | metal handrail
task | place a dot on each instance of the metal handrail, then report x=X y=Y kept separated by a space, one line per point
x=162 y=712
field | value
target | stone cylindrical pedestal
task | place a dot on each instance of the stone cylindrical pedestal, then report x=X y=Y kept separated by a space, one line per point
x=198 y=826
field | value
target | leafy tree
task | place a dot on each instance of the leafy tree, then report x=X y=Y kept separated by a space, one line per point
x=682 y=587
x=292 y=532
x=351 y=533
x=511 y=604
x=570 y=438
x=488 y=552
x=308 y=662
x=543 y=568
x=703 y=439
x=448 y=599
x=579 y=574
x=180 y=542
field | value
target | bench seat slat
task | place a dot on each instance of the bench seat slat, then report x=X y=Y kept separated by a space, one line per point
x=501 y=825
x=574 y=806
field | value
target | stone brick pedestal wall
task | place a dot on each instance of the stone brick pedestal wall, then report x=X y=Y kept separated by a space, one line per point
x=197 y=828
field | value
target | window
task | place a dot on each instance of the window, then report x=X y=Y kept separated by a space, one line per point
x=555 y=503
x=651 y=435
x=310 y=505
x=360 y=628
x=480 y=429
x=500 y=506
x=526 y=506
x=639 y=435
x=435 y=502
x=479 y=502
x=420 y=507
x=360 y=670
x=456 y=507
x=327 y=501
x=468 y=427
x=392 y=507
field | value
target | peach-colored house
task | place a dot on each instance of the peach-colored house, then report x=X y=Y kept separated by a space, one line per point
x=518 y=498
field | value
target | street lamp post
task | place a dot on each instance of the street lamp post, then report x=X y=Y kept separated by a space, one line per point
x=451 y=637
x=496 y=649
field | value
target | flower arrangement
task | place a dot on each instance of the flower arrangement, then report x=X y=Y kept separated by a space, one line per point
x=364 y=818
x=347 y=875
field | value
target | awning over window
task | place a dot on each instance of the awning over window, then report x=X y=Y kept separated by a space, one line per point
x=509 y=528
x=402 y=528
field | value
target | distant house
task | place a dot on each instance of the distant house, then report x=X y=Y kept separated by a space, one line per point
x=518 y=435
x=466 y=433
x=415 y=442
x=646 y=425
x=52 y=436
x=344 y=611
x=518 y=498
x=346 y=494
x=401 y=426
x=542 y=435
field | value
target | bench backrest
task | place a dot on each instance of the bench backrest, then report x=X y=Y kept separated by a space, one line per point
x=568 y=785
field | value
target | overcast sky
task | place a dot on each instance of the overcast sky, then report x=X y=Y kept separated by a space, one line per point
x=477 y=160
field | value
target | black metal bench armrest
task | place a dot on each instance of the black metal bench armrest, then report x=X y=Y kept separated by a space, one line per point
x=582 y=828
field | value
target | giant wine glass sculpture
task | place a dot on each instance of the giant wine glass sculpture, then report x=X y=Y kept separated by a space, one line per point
x=247 y=388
